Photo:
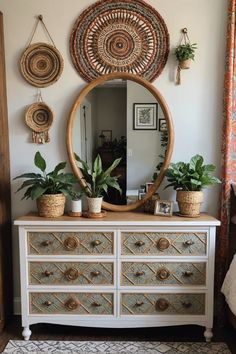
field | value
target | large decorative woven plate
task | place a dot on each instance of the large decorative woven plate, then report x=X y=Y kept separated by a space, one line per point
x=119 y=36
x=41 y=64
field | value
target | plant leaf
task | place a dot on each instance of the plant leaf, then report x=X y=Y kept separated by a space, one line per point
x=39 y=161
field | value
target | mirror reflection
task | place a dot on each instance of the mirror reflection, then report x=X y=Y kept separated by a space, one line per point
x=121 y=118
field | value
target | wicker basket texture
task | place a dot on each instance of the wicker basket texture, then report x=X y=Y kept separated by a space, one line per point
x=189 y=202
x=51 y=205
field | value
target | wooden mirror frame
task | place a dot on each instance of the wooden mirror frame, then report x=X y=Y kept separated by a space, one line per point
x=76 y=170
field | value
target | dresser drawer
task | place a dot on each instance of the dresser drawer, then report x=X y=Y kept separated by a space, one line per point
x=162 y=304
x=158 y=273
x=76 y=273
x=82 y=243
x=163 y=243
x=71 y=303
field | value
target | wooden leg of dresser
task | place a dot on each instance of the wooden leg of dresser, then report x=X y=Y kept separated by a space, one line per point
x=26 y=333
x=208 y=334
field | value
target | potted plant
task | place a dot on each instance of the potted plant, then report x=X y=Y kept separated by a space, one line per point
x=75 y=203
x=48 y=189
x=98 y=181
x=188 y=179
x=184 y=54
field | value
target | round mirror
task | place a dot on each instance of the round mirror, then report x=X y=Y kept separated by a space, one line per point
x=122 y=116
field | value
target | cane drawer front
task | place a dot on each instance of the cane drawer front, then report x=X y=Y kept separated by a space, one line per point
x=81 y=243
x=68 y=273
x=162 y=304
x=163 y=273
x=164 y=243
x=71 y=303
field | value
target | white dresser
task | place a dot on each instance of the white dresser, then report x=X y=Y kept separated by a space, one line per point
x=125 y=270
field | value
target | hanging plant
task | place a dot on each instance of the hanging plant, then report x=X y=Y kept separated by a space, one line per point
x=184 y=53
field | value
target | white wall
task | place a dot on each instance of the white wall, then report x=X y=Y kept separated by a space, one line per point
x=196 y=105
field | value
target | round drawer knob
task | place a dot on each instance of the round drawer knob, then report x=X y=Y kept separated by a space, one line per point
x=71 y=243
x=186 y=305
x=95 y=273
x=96 y=304
x=139 y=303
x=47 y=303
x=139 y=273
x=162 y=304
x=139 y=243
x=96 y=243
x=163 y=274
x=47 y=273
x=163 y=243
x=71 y=274
x=71 y=304
x=188 y=273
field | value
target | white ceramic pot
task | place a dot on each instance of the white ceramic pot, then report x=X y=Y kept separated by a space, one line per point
x=94 y=205
x=76 y=206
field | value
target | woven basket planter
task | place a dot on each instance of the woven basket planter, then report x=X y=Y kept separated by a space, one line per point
x=185 y=64
x=189 y=202
x=51 y=205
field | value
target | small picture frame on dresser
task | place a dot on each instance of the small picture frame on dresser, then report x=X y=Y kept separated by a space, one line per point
x=163 y=207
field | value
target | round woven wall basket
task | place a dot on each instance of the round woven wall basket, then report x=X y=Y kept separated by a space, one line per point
x=119 y=36
x=39 y=117
x=41 y=64
x=51 y=205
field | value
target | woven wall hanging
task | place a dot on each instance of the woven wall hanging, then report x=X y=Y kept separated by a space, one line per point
x=41 y=64
x=119 y=36
x=39 y=118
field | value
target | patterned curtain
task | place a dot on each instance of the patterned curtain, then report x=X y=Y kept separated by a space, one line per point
x=228 y=174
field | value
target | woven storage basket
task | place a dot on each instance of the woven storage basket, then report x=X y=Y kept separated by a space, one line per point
x=189 y=202
x=51 y=205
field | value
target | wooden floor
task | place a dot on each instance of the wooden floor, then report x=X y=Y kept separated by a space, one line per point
x=171 y=334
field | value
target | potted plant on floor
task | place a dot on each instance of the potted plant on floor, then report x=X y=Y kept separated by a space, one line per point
x=98 y=181
x=48 y=189
x=188 y=179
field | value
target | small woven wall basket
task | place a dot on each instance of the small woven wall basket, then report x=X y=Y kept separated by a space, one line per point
x=51 y=205
x=39 y=117
x=189 y=202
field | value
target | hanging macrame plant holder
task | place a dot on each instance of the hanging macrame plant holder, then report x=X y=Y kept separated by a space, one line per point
x=185 y=64
x=39 y=118
x=41 y=64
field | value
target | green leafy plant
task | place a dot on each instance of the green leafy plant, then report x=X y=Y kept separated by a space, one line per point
x=192 y=176
x=54 y=182
x=185 y=51
x=98 y=180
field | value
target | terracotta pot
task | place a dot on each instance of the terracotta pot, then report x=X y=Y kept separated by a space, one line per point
x=189 y=202
x=51 y=205
x=185 y=64
x=94 y=205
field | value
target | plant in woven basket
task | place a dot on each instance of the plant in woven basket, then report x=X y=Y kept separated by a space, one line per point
x=189 y=179
x=185 y=52
x=98 y=181
x=48 y=189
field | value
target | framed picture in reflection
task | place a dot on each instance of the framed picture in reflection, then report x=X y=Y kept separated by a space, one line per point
x=162 y=125
x=145 y=116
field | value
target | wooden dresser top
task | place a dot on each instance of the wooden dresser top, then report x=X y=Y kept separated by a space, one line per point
x=119 y=218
